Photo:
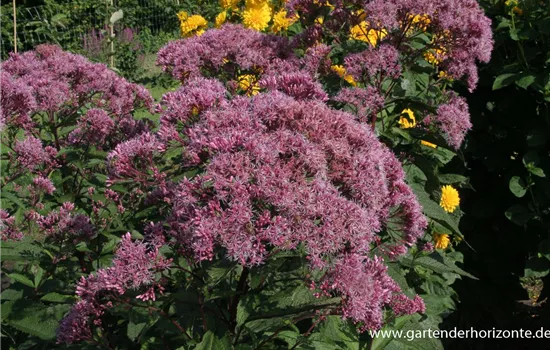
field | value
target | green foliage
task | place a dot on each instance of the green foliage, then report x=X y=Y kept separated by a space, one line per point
x=508 y=216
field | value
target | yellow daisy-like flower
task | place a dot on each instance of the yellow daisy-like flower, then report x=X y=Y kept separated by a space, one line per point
x=441 y=240
x=429 y=144
x=362 y=32
x=229 y=4
x=182 y=15
x=435 y=56
x=193 y=25
x=220 y=19
x=257 y=15
x=420 y=22
x=407 y=119
x=444 y=75
x=341 y=72
x=449 y=198
x=249 y=83
x=281 y=22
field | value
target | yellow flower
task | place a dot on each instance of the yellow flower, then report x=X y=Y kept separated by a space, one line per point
x=429 y=144
x=362 y=32
x=511 y=3
x=182 y=15
x=420 y=21
x=341 y=71
x=220 y=19
x=281 y=22
x=249 y=83
x=319 y=20
x=444 y=75
x=229 y=4
x=435 y=56
x=449 y=198
x=192 y=25
x=408 y=121
x=517 y=10
x=441 y=240
x=256 y=15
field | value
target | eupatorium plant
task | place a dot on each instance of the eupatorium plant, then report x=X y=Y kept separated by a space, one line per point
x=269 y=207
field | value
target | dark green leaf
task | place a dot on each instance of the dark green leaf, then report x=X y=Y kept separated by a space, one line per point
x=517 y=186
x=504 y=80
x=518 y=214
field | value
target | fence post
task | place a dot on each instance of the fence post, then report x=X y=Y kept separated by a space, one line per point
x=14 y=27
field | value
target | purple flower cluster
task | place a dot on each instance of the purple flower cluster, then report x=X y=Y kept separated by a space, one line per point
x=134 y=158
x=63 y=225
x=59 y=84
x=134 y=267
x=453 y=119
x=366 y=288
x=372 y=66
x=8 y=230
x=222 y=50
x=31 y=154
x=272 y=163
x=459 y=28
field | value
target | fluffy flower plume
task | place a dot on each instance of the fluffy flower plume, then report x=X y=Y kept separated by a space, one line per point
x=219 y=49
x=64 y=225
x=367 y=288
x=461 y=32
x=453 y=119
x=8 y=230
x=49 y=79
x=134 y=158
x=272 y=163
x=134 y=267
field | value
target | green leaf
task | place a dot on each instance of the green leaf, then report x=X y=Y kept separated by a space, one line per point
x=38 y=274
x=11 y=198
x=504 y=80
x=526 y=80
x=211 y=342
x=34 y=318
x=544 y=248
x=381 y=342
x=537 y=172
x=134 y=329
x=452 y=178
x=21 y=279
x=342 y=333
x=537 y=267
x=518 y=214
x=517 y=186
x=58 y=298
x=11 y=294
x=437 y=263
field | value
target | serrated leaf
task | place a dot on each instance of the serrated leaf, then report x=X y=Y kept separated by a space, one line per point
x=452 y=178
x=34 y=318
x=58 y=298
x=437 y=263
x=21 y=279
x=211 y=342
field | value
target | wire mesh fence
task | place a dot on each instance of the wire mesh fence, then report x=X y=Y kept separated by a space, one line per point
x=80 y=25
